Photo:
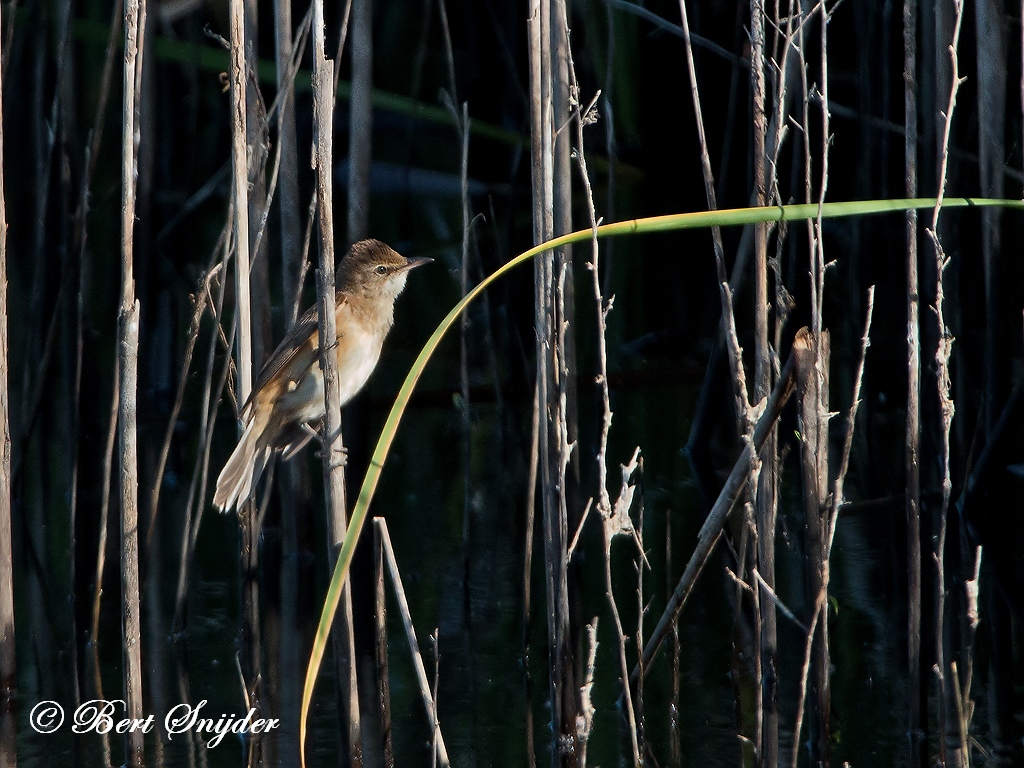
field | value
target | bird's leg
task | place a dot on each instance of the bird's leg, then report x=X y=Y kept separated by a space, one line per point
x=308 y=433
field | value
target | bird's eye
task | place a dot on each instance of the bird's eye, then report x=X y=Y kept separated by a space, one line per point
x=381 y=269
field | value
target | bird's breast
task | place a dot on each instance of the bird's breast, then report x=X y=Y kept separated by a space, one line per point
x=358 y=353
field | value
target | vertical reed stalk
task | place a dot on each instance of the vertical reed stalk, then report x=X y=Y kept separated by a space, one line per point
x=240 y=156
x=380 y=615
x=942 y=357
x=812 y=354
x=240 y=194
x=333 y=450
x=768 y=738
x=552 y=439
x=8 y=676
x=531 y=506
x=615 y=520
x=128 y=354
x=917 y=694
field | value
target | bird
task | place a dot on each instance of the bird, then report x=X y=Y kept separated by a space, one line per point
x=288 y=397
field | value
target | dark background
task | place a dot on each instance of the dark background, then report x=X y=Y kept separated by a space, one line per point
x=466 y=579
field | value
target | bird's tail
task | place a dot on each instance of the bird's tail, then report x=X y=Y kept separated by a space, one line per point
x=242 y=471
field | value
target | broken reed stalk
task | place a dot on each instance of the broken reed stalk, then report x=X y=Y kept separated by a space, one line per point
x=946 y=407
x=812 y=354
x=917 y=695
x=429 y=702
x=8 y=676
x=820 y=606
x=712 y=528
x=128 y=354
x=333 y=450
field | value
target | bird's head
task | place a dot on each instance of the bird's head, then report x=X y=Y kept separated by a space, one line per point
x=374 y=270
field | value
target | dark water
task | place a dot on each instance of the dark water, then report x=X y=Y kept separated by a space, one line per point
x=482 y=692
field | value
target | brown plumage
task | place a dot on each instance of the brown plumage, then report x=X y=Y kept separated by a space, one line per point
x=287 y=401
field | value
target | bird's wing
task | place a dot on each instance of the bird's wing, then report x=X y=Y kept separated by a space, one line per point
x=295 y=355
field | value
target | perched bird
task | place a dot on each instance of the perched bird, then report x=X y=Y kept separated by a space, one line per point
x=288 y=396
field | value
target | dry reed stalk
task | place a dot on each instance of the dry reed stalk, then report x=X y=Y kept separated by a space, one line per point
x=585 y=721
x=942 y=356
x=531 y=493
x=819 y=609
x=128 y=351
x=380 y=616
x=333 y=450
x=676 y=753
x=8 y=676
x=615 y=518
x=917 y=694
x=241 y=154
x=429 y=698
x=240 y=196
x=767 y=479
x=814 y=352
x=552 y=437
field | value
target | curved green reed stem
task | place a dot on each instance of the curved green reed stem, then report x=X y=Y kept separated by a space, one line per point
x=677 y=221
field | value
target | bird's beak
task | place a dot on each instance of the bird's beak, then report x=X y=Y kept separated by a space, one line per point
x=416 y=261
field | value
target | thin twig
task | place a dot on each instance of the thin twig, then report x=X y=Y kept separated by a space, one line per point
x=429 y=702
